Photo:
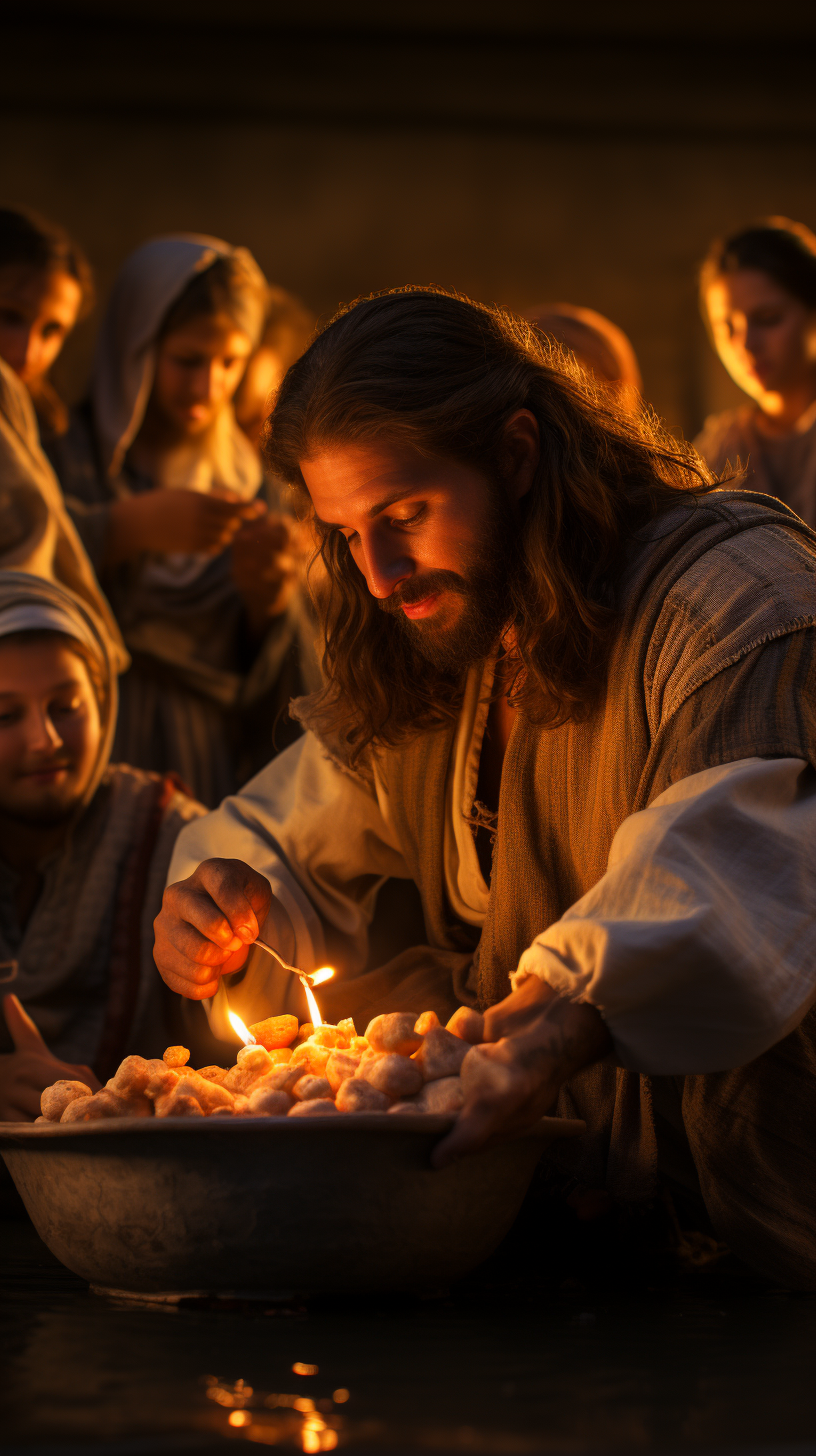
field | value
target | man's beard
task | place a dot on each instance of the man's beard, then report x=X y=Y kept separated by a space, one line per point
x=484 y=594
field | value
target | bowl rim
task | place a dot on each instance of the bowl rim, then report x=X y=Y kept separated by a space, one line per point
x=16 y=1134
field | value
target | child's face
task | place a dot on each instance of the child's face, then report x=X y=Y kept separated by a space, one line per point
x=198 y=369
x=49 y=730
x=37 y=313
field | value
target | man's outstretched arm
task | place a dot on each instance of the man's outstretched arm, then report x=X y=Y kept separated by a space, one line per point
x=696 y=952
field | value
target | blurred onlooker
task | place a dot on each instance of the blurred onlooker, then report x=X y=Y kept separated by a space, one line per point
x=162 y=484
x=46 y=285
x=599 y=346
x=758 y=296
x=288 y=328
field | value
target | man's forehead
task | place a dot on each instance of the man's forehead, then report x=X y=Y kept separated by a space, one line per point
x=350 y=480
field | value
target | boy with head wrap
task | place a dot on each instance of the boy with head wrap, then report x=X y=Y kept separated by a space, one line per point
x=84 y=851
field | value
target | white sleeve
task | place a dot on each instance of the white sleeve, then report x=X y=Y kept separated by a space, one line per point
x=324 y=841
x=698 y=945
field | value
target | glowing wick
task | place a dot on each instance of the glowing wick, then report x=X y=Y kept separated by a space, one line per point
x=241 y=1030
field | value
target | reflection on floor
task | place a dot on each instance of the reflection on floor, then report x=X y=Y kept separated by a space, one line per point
x=514 y=1362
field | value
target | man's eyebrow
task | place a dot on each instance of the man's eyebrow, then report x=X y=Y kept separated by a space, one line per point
x=382 y=505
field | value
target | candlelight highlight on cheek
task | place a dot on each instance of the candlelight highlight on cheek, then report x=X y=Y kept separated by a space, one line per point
x=240 y=1029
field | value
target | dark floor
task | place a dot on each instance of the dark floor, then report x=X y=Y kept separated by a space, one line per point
x=723 y=1368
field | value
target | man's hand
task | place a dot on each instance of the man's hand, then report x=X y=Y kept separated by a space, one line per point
x=31 y=1067
x=207 y=924
x=534 y=1041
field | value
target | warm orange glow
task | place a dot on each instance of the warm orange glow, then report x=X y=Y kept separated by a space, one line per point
x=340 y=1396
x=240 y=1029
x=314 y=1010
x=240 y=1418
x=300 y=1368
x=324 y=974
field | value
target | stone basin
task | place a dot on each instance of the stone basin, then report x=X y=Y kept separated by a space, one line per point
x=268 y=1206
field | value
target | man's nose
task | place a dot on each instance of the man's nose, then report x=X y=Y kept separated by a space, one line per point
x=385 y=566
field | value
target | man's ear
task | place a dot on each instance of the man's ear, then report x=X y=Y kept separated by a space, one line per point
x=522 y=445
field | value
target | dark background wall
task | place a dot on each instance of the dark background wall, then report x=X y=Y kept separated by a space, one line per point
x=521 y=152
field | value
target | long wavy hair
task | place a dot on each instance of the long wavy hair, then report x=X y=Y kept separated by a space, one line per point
x=440 y=374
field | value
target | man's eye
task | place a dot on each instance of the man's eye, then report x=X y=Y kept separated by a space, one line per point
x=411 y=520
x=10 y=716
x=66 y=709
x=51 y=331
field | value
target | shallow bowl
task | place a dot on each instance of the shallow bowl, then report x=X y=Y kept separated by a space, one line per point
x=268 y=1206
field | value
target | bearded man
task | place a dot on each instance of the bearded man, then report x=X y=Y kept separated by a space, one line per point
x=569 y=695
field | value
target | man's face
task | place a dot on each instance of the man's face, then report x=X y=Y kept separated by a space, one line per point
x=765 y=337
x=198 y=369
x=37 y=313
x=433 y=539
x=49 y=731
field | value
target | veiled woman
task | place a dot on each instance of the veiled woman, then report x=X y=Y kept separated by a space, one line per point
x=162 y=485
x=758 y=296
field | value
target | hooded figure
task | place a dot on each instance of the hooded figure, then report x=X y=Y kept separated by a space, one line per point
x=78 y=919
x=36 y=532
x=163 y=486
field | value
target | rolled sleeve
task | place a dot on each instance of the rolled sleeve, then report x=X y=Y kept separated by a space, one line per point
x=698 y=945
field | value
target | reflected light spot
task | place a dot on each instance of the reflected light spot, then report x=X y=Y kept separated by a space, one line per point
x=240 y=1418
x=340 y=1396
x=300 y=1368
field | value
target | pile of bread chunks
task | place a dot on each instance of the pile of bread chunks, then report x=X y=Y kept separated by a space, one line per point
x=404 y=1063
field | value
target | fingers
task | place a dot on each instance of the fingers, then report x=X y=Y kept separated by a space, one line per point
x=486 y=1120
x=206 y=925
x=22 y=1029
x=83 y=1074
x=186 y=988
x=23 y=1076
x=241 y=894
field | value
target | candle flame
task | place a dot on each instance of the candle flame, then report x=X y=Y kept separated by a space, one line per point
x=240 y=1029
x=314 y=1010
x=317 y=978
x=324 y=974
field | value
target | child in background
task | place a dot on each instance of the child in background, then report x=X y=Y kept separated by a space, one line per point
x=46 y=286
x=163 y=485
x=758 y=297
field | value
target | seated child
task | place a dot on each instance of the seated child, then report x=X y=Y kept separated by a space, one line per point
x=84 y=852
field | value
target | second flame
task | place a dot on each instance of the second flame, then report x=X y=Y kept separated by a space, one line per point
x=318 y=978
